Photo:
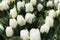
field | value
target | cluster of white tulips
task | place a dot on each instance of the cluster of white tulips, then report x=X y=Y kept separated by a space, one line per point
x=33 y=35
x=20 y=5
x=4 y=5
x=49 y=4
x=29 y=17
x=1 y=27
x=49 y=21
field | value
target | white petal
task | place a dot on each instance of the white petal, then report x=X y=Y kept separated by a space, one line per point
x=29 y=7
x=13 y=23
x=1 y=27
x=21 y=21
x=29 y=17
x=13 y=12
x=33 y=2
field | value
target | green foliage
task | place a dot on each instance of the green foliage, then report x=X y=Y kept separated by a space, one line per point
x=15 y=38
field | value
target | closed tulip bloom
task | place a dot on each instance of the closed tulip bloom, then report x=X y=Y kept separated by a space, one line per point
x=49 y=21
x=35 y=34
x=29 y=17
x=13 y=12
x=20 y=20
x=52 y=13
x=29 y=7
x=4 y=6
x=49 y=4
x=7 y=1
x=44 y=28
x=24 y=34
x=33 y=2
x=39 y=7
x=1 y=27
x=13 y=23
x=9 y=32
x=20 y=5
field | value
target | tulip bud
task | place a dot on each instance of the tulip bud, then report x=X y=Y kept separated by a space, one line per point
x=50 y=3
x=39 y=7
x=29 y=17
x=57 y=12
x=20 y=20
x=1 y=27
x=13 y=23
x=52 y=13
x=24 y=34
x=49 y=21
x=4 y=6
x=35 y=34
x=33 y=2
x=29 y=7
x=20 y=5
x=9 y=32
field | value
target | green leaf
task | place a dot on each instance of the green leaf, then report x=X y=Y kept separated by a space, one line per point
x=15 y=38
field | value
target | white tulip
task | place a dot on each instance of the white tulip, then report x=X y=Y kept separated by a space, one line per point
x=29 y=17
x=20 y=20
x=33 y=2
x=24 y=34
x=13 y=23
x=29 y=7
x=56 y=2
x=49 y=21
x=50 y=3
x=57 y=12
x=1 y=27
x=39 y=7
x=52 y=13
x=35 y=34
x=9 y=31
x=13 y=12
x=44 y=28
x=20 y=5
